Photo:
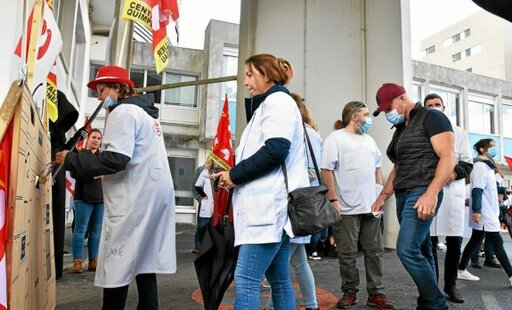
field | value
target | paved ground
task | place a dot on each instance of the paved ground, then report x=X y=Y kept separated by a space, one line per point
x=178 y=291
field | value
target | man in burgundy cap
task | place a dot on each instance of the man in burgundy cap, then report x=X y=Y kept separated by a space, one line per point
x=422 y=151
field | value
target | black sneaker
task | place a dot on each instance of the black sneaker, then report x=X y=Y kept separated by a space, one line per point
x=491 y=262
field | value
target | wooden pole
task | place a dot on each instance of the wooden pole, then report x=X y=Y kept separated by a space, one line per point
x=183 y=84
x=35 y=31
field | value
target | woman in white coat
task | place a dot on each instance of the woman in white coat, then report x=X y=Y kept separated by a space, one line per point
x=273 y=136
x=138 y=233
x=485 y=208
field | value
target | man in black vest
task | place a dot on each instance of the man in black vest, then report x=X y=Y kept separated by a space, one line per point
x=422 y=151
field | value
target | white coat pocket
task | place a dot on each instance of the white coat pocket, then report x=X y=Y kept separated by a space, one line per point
x=258 y=208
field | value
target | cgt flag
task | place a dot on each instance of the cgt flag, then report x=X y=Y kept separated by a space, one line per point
x=5 y=164
x=222 y=154
x=222 y=148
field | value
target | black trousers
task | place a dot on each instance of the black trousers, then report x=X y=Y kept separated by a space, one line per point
x=451 y=260
x=115 y=298
x=497 y=244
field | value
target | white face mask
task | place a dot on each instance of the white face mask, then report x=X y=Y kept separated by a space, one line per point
x=440 y=109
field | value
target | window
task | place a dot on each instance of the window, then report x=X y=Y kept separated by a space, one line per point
x=481 y=114
x=430 y=50
x=181 y=96
x=92 y=75
x=467 y=52
x=467 y=33
x=416 y=92
x=506 y=116
x=456 y=38
x=451 y=99
x=456 y=57
x=469 y=69
x=183 y=171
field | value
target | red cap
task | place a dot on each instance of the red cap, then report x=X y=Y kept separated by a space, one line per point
x=386 y=94
x=111 y=74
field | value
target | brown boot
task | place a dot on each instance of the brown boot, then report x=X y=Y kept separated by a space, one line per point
x=92 y=264
x=77 y=266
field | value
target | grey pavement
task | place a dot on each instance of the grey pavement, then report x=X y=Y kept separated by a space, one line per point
x=180 y=291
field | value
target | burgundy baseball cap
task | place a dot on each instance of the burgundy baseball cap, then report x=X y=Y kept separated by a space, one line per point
x=386 y=94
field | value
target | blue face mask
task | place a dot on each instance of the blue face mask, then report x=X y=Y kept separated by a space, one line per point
x=367 y=124
x=394 y=117
x=492 y=152
x=109 y=103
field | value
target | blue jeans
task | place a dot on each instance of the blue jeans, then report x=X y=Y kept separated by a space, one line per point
x=87 y=216
x=418 y=262
x=299 y=262
x=201 y=222
x=271 y=260
x=316 y=237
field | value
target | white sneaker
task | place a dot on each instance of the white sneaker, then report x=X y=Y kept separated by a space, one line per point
x=314 y=256
x=510 y=279
x=465 y=275
x=441 y=246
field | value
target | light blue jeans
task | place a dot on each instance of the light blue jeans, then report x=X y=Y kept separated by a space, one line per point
x=271 y=260
x=414 y=233
x=87 y=216
x=299 y=262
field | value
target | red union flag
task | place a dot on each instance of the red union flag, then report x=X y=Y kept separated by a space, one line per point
x=5 y=164
x=223 y=155
x=222 y=148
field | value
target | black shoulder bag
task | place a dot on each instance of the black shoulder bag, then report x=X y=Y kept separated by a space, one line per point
x=309 y=207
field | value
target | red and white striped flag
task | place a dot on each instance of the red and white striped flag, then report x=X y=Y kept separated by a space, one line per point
x=5 y=164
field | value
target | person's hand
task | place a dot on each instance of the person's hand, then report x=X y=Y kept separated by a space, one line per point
x=60 y=157
x=476 y=217
x=205 y=198
x=224 y=180
x=452 y=177
x=337 y=206
x=80 y=134
x=378 y=204
x=426 y=206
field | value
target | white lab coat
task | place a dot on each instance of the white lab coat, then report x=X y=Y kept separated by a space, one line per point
x=204 y=182
x=260 y=207
x=450 y=219
x=138 y=233
x=484 y=177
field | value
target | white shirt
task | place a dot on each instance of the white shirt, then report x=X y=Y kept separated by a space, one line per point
x=204 y=182
x=450 y=218
x=484 y=177
x=353 y=158
x=138 y=232
x=260 y=207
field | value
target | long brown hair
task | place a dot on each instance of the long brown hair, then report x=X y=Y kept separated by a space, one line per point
x=278 y=70
x=350 y=109
x=307 y=117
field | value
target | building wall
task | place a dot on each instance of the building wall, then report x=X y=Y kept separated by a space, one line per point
x=488 y=41
x=429 y=78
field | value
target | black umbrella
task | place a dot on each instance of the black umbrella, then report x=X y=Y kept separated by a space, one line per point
x=501 y=8
x=216 y=261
